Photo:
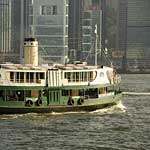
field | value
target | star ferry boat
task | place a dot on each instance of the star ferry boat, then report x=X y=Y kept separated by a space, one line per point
x=31 y=88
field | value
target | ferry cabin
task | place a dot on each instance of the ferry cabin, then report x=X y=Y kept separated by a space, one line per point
x=57 y=85
x=19 y=84
x=74 y=85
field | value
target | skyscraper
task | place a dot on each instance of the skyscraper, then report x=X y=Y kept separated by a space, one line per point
x=116 y=31
x=10 y=30
x=75 y=29
x=84 y=15
x=47 y=20
x=138 y=34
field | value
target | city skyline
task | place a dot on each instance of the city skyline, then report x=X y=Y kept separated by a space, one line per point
x=120 y=29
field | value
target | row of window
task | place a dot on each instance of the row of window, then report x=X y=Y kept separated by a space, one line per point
x=26 y=77
x=80 y=76
x=90 y=93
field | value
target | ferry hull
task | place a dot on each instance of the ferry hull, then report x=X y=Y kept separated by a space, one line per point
x=59 y=109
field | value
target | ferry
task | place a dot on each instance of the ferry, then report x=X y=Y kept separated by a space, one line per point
x=33 y=88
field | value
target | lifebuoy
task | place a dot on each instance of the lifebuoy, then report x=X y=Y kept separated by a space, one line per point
x=80 y=101
x=29 y=103
x=70 y=101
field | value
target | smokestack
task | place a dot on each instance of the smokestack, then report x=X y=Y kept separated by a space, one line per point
x=31 y=51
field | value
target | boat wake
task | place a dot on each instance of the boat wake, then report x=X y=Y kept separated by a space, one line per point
x=121 y=106
x=137 y=93
x=65 y=113
x=116 y=108
x=13 y=116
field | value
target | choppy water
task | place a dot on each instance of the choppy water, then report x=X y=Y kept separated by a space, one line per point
x=115 y=128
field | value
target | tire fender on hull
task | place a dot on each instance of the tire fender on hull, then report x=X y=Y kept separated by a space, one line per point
x=80 y=101
x=29 y=103
x=70 y=101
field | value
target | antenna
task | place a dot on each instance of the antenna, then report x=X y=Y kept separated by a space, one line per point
x=95 y=31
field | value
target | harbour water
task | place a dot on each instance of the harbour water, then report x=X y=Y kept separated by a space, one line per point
x=125 y=127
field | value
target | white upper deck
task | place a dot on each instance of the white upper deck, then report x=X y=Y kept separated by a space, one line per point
x=56 y=75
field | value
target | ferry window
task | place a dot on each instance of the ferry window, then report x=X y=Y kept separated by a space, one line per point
x=77 y=76
x=31 y=76
x=37 y=77
x=65 y=93
x=17 y=76
x=91 y=76
x=21 y=76
x=102 y=90
x=28 y=93
x=68 y=75
x=81 y=76
x=85 y=76
x=65 y=75
x=27 y=77
x=41 y=75
x=11 y=76
x=81 y=92
x=75 y=93
x=74 y=77
x=93 y=93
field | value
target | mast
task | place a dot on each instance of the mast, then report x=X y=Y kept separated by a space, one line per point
x=95 y=44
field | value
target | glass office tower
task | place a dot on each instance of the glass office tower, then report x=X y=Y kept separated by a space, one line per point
x=10 y=30
x=138 y=29
x=4 y=29
x=91 y=16
x=47 y=20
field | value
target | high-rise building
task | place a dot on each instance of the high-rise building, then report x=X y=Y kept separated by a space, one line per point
x=138 y=34
x=75 y=29
x=132 y=48
x=84 y=16
x=91 y=19
x=47 y=20
x=116 y=31
x=4 y=26
x=10 y=30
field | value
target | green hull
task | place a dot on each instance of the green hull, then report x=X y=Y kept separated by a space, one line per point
x=49 y=109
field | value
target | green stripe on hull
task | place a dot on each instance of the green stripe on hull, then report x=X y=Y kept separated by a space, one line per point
x=60 y=108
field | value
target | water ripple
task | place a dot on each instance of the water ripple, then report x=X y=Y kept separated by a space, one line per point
x=123 y=127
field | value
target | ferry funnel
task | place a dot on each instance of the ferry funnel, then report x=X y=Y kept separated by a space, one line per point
x=31 y=51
